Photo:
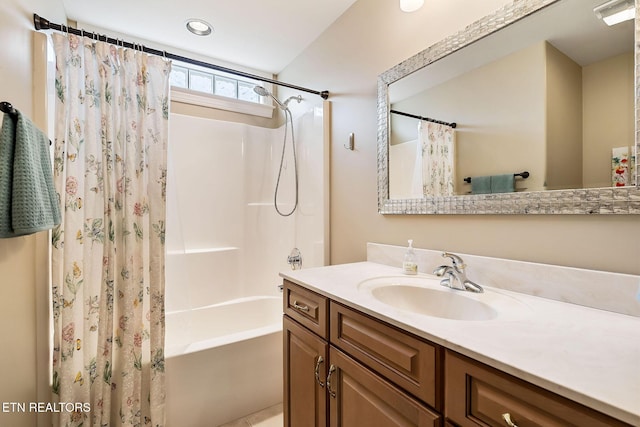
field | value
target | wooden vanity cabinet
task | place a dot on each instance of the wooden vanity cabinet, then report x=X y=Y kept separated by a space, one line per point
x=343 y=368
x=324 y=385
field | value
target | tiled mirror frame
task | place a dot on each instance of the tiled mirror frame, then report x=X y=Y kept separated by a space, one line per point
x=622 y=200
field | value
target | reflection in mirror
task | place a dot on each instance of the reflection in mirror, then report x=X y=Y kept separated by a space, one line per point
x=545 y=103
x=539 y=96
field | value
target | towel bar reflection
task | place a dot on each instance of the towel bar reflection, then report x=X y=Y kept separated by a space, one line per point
x=524 y=175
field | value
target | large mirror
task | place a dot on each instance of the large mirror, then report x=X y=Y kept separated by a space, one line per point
x=529 y=110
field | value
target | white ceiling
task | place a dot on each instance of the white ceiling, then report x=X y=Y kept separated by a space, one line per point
x=265 y=35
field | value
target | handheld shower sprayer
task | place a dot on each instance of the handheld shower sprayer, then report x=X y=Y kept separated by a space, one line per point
x=263 y=92
x=288 y=121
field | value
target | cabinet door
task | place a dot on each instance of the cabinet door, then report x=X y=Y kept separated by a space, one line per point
x=305 y=371
x=359 y=397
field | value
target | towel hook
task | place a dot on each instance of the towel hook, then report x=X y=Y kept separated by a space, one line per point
x=351 y=144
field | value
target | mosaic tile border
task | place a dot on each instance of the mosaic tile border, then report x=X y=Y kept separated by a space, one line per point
x=583 y=201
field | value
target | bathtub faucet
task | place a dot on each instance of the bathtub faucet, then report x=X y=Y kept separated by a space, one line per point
x=295 y=259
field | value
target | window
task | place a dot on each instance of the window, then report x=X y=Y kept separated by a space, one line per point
x=213 y=84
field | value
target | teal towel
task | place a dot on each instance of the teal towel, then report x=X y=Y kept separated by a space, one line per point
x=28 y=200
x=503 y=183
x=481 y=185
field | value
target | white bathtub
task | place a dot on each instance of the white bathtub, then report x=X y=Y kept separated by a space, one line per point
x=223 y=361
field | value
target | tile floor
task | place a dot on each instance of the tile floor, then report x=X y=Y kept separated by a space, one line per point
x=269 y=417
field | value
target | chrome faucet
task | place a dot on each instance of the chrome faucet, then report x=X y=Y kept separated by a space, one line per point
x=454 y=276
x=295 y=259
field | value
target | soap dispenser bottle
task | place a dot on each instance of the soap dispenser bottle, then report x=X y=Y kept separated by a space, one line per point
x=409 y=265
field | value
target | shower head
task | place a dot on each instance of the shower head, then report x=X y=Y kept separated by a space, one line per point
x=263 y=92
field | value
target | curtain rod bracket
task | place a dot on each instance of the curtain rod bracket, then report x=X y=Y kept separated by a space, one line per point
x=40 y=23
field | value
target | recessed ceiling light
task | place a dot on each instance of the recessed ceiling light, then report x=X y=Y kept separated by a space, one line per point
x=199 y=27
x=411 y=5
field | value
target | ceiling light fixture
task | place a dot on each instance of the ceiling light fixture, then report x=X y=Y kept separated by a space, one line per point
x=615 y=11
x=411 y=5
x=199 y=27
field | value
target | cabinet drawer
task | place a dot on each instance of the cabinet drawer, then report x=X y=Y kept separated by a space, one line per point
x=403 y=359
x=306 y=307
x=478 y=395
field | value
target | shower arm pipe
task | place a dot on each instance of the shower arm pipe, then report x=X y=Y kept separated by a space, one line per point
x=42 y=24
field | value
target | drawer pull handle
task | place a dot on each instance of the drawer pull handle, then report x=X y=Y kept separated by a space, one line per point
x=318 y=362
x=332 y=393
x=300 y=307
x=507 y=419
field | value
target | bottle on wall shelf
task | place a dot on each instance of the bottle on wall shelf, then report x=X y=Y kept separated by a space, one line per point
x=409 y=265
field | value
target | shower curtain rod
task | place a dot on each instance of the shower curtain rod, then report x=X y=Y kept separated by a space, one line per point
x=41 y=23
x=426 y=119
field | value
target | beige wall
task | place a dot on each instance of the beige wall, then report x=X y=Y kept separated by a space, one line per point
x=608 y=115
x=563 y=91
x=371 y=37
x=23 y=260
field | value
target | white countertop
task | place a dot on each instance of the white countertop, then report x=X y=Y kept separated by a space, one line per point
x=588 y=355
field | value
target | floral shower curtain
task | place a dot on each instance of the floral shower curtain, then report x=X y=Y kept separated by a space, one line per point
x=108 y=253
x=438 y=158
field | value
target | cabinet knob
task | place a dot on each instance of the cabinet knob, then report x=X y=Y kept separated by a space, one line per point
x=507 y=419
x=332 y=393
x=318 y=362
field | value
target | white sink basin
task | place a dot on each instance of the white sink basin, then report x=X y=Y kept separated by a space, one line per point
x=424 y=295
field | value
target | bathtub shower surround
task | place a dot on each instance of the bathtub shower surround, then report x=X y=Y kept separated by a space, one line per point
x=226 y=245
x=108 y=252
